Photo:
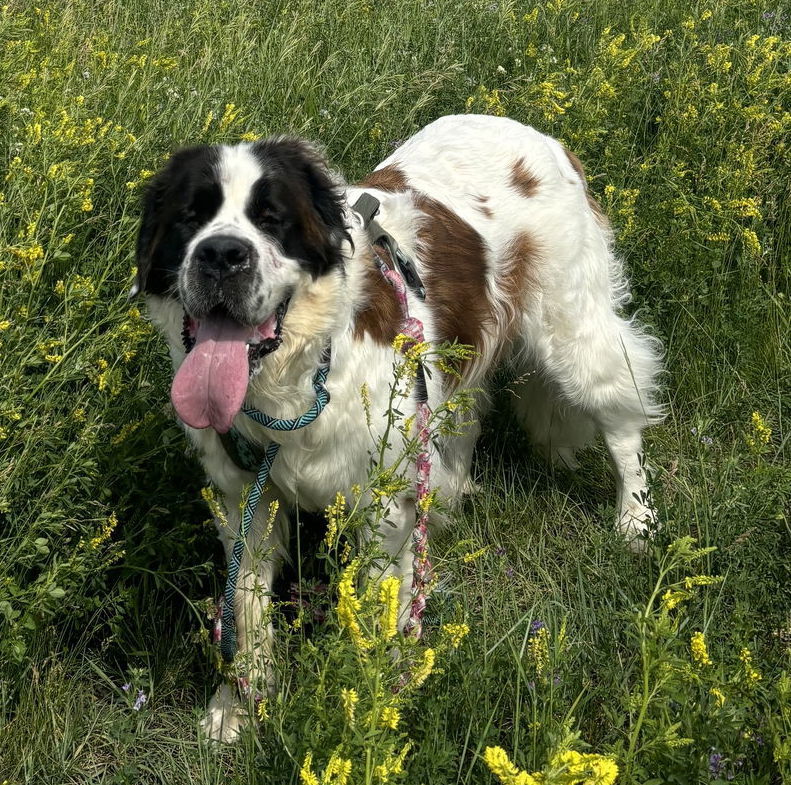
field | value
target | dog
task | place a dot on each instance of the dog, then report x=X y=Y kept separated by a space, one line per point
x=253 y=258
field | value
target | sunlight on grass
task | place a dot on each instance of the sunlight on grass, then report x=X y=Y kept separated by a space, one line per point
x=577 y=658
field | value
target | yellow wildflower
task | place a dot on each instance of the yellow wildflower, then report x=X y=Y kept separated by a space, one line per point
x=751 y=242
x=752 y=676
x=365 y=396
x=701 y=580
x=468 y=558
x=214 y=505
x=761 y=433
x=106 y=532
x=260 y=710
x=335 y=515
x=586 y=768
x=4 y=324
x=306 y=774
x=229 y=116
x=456 y=633
x=393 y=764
x=700 y=652
x=389 y=717
x=538 y=646
x=671 y=599
x=388 y=597
x=718 y=695
x=424 y=668
x=496 y=758
x=338 y=771
x=349 y=605
x=349 y=699
x=249 y=136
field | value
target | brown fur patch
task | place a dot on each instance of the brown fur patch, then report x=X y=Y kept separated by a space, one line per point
x=454 y=260
x=592 y=203
x=577 y=165
x=380 y=317
x=388 y=178
x=524 y=180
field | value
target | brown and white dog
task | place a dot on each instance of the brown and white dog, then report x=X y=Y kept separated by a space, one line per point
x=258 y=245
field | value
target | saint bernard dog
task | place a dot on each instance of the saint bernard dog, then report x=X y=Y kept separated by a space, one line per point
x=253 y=260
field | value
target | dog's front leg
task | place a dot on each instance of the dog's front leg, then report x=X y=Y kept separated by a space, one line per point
x=395 y=539
x=228 y=710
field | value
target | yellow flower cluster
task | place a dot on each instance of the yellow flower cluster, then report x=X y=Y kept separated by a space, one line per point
x=215 y=506
x=394 y=764
x=349 y=700
x=337 y=771
x=456 y=633
x=538 y=648
x=106 y=532
x=472 y=556
x=335 y=514
x=700 y=652
x=760 y=435
x=718 y=695
x=388 y=597
x=486 y=101
x=423 y=669
x=349 y=606
x=389 y=717
x=568 y=767
x=751 y=675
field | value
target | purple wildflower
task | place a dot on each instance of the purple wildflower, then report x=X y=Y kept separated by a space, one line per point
x=500 y=551
x=142 y=698
x=693 y=430
x=509 y=573
x=535 y=626
x=716 y=764
x=126 y=687
x=707 y=440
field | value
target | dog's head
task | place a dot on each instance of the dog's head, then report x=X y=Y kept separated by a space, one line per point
x=231 y=233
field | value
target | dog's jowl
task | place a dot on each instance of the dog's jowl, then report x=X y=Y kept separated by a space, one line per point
x=254 y=262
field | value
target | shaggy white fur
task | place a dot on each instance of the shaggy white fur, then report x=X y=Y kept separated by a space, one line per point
x=586 y=368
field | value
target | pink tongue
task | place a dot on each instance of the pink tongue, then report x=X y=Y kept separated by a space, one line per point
x=209 y=387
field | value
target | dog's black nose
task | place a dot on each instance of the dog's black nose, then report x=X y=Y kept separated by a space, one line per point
x=222 y=256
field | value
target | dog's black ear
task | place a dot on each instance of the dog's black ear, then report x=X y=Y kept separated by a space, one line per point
x=168 y=220
x=151 y=230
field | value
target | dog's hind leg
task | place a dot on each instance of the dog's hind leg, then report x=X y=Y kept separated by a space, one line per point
x=594 y=369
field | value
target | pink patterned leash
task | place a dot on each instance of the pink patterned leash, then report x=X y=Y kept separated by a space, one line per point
x=421 y=564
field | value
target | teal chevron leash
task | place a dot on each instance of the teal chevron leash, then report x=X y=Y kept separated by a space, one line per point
x=227 y=632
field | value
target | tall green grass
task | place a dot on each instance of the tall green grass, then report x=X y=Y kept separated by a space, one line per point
x=681 y=116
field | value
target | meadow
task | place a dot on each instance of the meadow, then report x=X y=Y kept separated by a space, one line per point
x=557 y=656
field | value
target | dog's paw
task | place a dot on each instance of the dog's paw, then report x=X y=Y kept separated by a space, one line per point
x=470 y=487
x=225 y=716
x=637 y=524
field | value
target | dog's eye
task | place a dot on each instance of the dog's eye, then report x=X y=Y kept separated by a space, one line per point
x=269 y=218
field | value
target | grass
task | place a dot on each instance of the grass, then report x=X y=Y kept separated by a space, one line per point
x=680 y=113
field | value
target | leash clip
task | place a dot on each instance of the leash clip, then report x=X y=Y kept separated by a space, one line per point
x=367 y=206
